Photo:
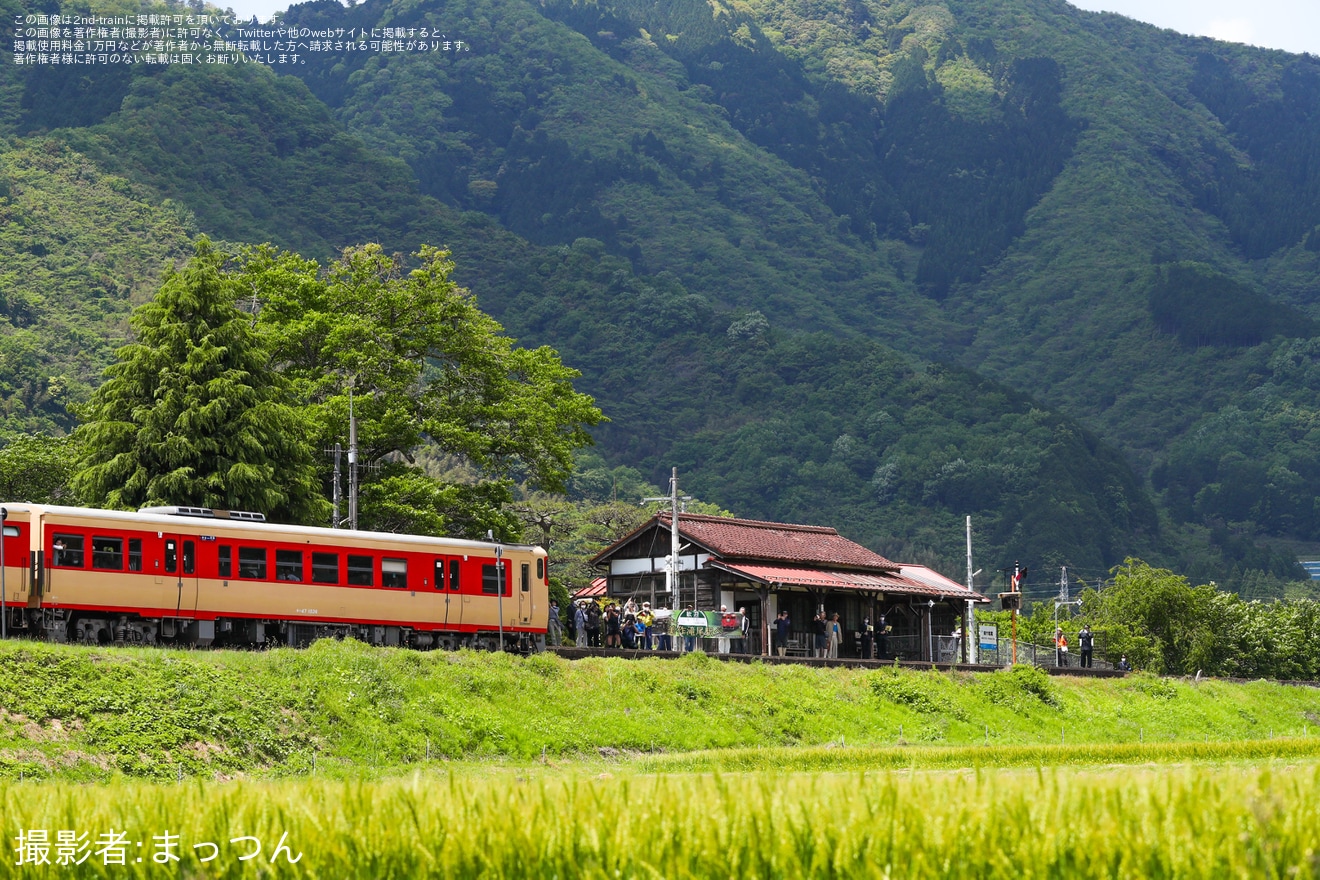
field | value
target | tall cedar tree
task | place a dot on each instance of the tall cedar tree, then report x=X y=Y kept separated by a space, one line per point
x=193 y=412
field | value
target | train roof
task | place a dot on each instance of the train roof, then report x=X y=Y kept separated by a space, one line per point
x=171 y=521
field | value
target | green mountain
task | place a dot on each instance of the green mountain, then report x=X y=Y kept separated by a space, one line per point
x=869 y=263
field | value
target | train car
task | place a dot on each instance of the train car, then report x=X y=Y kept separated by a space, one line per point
x=199 y=577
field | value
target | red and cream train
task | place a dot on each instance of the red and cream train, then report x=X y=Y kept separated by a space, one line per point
x=192 y=576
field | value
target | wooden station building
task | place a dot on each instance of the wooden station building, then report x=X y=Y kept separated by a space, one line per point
x=769 y=567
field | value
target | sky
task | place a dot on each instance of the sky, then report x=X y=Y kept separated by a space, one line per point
x=1293 y=25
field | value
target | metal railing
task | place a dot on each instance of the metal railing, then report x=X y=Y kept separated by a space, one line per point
x=1043 y=656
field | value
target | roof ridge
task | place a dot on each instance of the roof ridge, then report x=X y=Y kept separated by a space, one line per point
x=749 y=523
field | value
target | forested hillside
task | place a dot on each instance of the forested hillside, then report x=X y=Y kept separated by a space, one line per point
x=879 y=264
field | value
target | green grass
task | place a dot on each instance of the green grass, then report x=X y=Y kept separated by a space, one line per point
x=88 y=714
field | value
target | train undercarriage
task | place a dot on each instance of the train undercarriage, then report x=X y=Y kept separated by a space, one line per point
x=100 y=628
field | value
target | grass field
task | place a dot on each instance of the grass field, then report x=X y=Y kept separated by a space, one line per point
x=88 y=714
x=1222 y=818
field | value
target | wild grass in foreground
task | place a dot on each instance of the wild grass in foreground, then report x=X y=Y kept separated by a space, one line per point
x=1144 y=822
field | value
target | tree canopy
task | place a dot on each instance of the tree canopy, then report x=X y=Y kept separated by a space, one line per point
x=1165 y=624
x=427 y=369
x=221 y=407
x=194 y=413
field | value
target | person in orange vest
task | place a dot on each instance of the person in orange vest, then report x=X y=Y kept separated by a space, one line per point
x=1060 y=647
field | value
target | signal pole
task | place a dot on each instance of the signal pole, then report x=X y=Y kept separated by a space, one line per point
x=1017 y=600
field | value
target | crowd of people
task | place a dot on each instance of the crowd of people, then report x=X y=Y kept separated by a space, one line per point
x=596 y=623
x=606 y=623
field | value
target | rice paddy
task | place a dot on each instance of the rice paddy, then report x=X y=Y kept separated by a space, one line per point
x=1259 y=818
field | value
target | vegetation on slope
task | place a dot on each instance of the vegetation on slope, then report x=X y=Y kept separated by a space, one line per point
x=76 y=712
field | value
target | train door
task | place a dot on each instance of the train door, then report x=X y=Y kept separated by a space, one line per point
x=440 y=581
x=181 y=573
x=14 y=572
x=524 y=593
x=453 y=600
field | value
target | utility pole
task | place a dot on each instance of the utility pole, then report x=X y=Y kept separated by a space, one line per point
x=969 y=620
x=673 y=550
x=352 y=464
x=672 y=579
x=336 y=493
x=499 y=593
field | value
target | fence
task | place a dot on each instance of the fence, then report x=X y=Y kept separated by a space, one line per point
x=1037 y=655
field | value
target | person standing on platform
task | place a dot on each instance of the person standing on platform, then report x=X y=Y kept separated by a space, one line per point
x=783 y=629
x=647 y=620
x=1060 y=647
x=1086 y=642
x=580 y=625
x=554 y=633
x=821 y=627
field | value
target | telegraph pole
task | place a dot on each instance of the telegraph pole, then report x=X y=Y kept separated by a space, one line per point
x=499 y=573
x=336 y=493
x=671 y=565
x=673 y=551
x=969 y=621
x=352 y=464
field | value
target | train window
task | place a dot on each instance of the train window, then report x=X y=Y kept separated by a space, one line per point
x=360 y=571
x=453 y=574
x=171 y=555
x=107 y=553
x=325 y=568
x=394 y=573
x=67 y=551
x=189 y=557
x=526 y=577
x=490 y=579
x=439 y=574
x=540 y=569
x=226 y=562
x=288 y=565
x=251 y=562
x=134 y=554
